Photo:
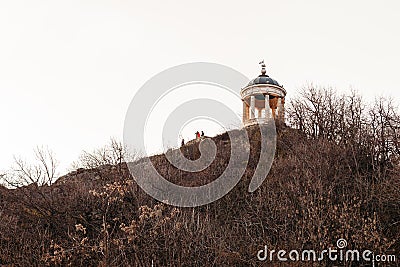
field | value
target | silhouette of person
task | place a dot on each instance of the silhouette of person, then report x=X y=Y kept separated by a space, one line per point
x=197 y=135
x=183 y=142
x=202 y=134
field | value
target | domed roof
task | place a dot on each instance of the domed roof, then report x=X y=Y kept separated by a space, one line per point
x=264 y=79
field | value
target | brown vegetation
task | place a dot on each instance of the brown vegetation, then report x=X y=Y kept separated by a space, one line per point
x=336 y=175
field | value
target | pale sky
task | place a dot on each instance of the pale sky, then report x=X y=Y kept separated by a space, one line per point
x=69 y=69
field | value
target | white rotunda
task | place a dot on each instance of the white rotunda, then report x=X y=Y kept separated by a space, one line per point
x=263 y=99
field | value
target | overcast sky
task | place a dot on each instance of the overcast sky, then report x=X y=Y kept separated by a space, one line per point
x=69 y=69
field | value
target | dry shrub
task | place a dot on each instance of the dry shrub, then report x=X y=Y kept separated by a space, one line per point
x=331 y=179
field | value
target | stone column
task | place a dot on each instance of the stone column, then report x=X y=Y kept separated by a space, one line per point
x=267 y=107
x=252 y=106
x=281 y=109
x=245 y=112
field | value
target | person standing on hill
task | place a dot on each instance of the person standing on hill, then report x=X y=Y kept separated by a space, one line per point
x=202 y=134
x=197 y=135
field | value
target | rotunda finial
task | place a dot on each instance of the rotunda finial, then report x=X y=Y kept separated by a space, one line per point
x=263 y=71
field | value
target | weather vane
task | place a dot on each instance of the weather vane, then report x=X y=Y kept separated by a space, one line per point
x=263 y=71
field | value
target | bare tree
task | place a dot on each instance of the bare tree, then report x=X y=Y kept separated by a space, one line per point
x=371 y=133
x=34 y=183
x=42 y=172
x=114 y=153
x=384 y=133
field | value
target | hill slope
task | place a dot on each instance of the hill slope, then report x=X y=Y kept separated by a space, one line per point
x=316 y=193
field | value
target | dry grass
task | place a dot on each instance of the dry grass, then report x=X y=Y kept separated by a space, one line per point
x=320 y=188
x=100 y=217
